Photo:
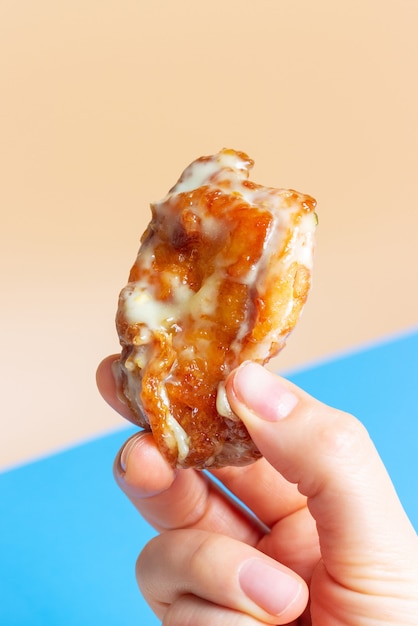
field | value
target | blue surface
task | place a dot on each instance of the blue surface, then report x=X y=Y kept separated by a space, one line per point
x=69 y=538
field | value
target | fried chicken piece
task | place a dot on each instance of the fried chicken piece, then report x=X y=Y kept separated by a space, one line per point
x=222 y=274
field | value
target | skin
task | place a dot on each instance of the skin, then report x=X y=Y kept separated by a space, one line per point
x=330 y=544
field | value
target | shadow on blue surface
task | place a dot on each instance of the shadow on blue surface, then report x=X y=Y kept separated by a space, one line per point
x=69 y=538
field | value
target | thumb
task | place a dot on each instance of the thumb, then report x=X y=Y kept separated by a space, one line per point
x=328 y=453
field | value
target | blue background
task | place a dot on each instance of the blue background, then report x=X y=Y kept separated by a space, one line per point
x=69 y=539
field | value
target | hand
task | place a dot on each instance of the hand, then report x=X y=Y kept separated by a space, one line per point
x=332 y=528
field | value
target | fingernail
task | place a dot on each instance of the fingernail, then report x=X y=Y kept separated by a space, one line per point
x=263 y=392
x=127 y=449
x=270 y=588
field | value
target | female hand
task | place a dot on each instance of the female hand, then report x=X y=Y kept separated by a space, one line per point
x=332 y=529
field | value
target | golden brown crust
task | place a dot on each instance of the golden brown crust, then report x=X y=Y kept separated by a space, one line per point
x=221 y=277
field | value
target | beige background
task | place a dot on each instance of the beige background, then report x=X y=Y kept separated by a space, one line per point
x=104 y=102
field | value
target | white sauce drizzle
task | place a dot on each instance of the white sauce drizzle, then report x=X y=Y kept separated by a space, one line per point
x=142 y=307
x=222 y=404
x=175 y=436
x=179 y=439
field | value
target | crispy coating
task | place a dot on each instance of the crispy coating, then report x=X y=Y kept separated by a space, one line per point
x=221 y=276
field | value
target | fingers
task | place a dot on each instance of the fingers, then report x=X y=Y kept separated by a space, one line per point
x=181 y=563
x=268 y=494
x=107 y=386
x=170 y=499
x=258 y=486
x=188 y=609
x=331 y=458
x=142 y=472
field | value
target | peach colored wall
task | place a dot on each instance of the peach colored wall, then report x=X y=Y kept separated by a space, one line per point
x=102 y=105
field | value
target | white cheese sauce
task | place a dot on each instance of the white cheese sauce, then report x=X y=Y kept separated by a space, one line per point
x=289 y=241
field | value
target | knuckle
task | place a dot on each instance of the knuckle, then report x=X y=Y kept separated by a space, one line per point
x=203 y=553
x=343 y=437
